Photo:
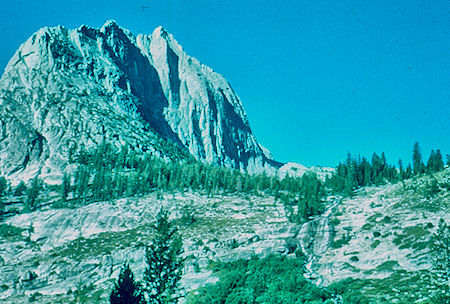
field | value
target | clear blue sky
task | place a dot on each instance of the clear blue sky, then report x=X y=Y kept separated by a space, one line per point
x=317 y=78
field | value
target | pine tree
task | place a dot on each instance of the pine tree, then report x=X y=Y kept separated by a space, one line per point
x=417 y=160
x=401 y=171
x=164 y=263
x=431 y=162
x=439 y=163
x=33 y=193
x=126 y=289
x=82 y=177
x=441 y=263
x=65 y=187
x=20 y=189
x=3 y=186
x=408 y=171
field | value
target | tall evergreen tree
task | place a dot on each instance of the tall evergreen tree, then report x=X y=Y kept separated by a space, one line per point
x=401 y=171
x=65 y=187
x=33 y=193
x=417 y=160
x=408 y=171
x=20 y=189
x=126 y=289
x=441 y=263
x=431 y=162
x=82 y=177
x=439 y=162
x=3 y=185
x=164 y=263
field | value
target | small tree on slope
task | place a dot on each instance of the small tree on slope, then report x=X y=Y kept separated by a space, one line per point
x=164 y=263
x=126 y=289
x=441 y=263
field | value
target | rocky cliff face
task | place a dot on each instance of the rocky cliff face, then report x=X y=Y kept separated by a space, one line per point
x=67 y=89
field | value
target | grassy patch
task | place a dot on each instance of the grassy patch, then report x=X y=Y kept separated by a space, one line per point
x=103 y=243
x=400 y=287
x=411 y=236
x=213 y=225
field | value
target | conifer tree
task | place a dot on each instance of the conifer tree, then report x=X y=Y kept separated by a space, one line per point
x=401 y=171
x=3 y=185
x=82 y=177
x=408 y=171
x=441 y=263
x=439 y=163
x=33 y=193
x=65 y=187
x=417 y=160
x=431 y=162
x=164 y=263
x=126 y=289
x=20 y=189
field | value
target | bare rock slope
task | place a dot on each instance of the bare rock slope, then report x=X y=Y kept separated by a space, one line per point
x=381 y=237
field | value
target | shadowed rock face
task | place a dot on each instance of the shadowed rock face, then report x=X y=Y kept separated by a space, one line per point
x=74 y=88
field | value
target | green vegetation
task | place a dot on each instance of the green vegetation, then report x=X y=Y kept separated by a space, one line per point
x=20 y=189
x=126 y=289
x=308 y=202
x=375 y=244
x=440 y=274
x=274 y=279
x=107 y=173
x=412 y=237
x=418 y=166
x=357 y=172
x=3 y=187
x=11 y=233
x=161 y=284
x=33 y=192
x=164 y=263
x=399 y=287
x=102 y=243
x=387 y=266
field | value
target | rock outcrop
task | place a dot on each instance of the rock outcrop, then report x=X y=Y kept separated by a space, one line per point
x=66 y=89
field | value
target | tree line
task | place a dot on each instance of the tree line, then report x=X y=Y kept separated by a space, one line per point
x=106 y=173
x=356 y=172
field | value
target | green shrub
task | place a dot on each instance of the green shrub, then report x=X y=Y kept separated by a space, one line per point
x=375 y=244
x=387 y=266
x=274 y=279
x=354 y=259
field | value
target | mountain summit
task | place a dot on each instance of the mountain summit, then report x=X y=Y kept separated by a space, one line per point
x=67 y=90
